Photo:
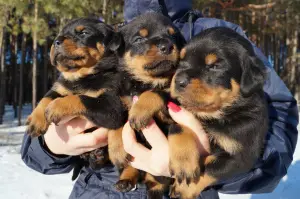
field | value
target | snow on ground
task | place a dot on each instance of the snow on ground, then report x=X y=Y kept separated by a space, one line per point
x=19 y=182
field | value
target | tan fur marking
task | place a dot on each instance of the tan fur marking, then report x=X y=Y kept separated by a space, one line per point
x=94 y=94
x=79 y=28
x=209 y=159
x=70 y=105
x=211 y=59
x=117 y=154
x=229 y=144
x=181 y=144
x=127 y=101
x=82 y=72
x=153 y=184
x=144 y=109
x=52 y=55
x=192 y=191
x=171 y=31
x=101 y=50
x=144 y=32
x=135 y=66
x=88 y=58
x=59 y=88
x=37 y=118
x=182 y=53
x=130 y=173
x=204 y=100
x=69 y=46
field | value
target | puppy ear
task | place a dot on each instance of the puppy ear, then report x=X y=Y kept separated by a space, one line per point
x=180 y=40
x=116 y=44
x=253 y=75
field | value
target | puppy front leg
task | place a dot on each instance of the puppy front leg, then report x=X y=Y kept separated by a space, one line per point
x=184 y=154
x=145 y=108
x=105 y=111
x=37 y=123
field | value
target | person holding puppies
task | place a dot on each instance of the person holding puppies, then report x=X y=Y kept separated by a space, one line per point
x=53 y=152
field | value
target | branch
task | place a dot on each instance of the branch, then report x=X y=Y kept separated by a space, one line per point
x=253 y=7
x=225 y=4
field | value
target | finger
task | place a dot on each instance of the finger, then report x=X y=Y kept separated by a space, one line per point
x=140 y=165
x=96 y=139
x=186 y=118
x=155 y=136
x=132 y=147
x=78 y=125
x=66 y=119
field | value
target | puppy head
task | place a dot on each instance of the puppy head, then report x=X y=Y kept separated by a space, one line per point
x=217 y=68
x=151 y=48
x=80 y=45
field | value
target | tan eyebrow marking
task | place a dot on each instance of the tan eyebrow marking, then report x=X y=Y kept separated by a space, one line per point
x=211 y=59
x=182 y=53
x=171 y=31
x=144 y=32
x=79 y=28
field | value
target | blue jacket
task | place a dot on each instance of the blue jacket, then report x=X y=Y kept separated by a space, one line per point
x=264 y=177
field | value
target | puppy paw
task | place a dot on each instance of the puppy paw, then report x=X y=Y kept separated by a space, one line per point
x=173 y=193
x=37 y=123
x=56 y=110
x=139 y=117
x=98 y=158
x=124 y=185
x=184 y=154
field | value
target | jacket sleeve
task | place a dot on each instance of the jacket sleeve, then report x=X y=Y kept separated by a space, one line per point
x=282 y=135
x=35 y=155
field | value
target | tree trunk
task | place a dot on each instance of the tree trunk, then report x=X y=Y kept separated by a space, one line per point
x=34 y=59
x=45 y=71
x=3 y=75
x=104 y=10
x=23 y=54
x=14 y=74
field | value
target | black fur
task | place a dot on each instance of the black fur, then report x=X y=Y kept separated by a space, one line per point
x=105 y=110
x=129 y=40
x=246 y=119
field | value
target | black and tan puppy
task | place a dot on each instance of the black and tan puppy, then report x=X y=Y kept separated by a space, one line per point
x=88 y=83
x=220 y=80
x=149 y=55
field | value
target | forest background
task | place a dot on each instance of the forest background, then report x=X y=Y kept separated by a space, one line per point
x=28 y=28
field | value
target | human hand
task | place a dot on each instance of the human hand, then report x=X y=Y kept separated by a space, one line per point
x=186 y=118
x=67 y=138
x=156 y=160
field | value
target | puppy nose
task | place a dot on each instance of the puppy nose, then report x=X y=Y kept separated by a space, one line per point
x=58 y=41
x=182 y=80
x=166 y=47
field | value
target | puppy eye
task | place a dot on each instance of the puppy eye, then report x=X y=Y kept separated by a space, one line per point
x=138 y=39
x=214 y=67
x=83 y=33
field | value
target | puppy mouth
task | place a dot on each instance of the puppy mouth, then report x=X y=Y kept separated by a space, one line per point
x=63 y=60
x=195 y=106
x=161 y=68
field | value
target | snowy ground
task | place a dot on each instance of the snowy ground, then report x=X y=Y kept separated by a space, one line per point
x=19 y=182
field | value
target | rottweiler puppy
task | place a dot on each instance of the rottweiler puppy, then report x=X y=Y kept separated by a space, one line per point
x=149 y=53
x=88 y=82
x=220 y=80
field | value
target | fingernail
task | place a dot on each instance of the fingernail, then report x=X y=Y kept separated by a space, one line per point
x=174 y=107
x=135 y=99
